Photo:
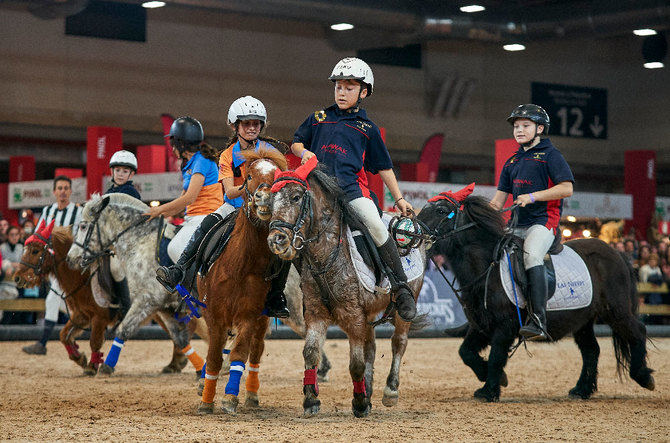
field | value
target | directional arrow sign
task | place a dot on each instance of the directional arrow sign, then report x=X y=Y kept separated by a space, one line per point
x=574 y=111
x=596 y=127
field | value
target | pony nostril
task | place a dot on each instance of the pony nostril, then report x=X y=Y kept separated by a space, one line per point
x=280 y=239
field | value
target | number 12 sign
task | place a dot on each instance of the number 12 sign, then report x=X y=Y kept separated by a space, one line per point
x=574 y=111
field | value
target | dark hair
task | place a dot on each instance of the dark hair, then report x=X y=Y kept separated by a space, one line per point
x=209 y=152
x=62 y=178
x=13 y=227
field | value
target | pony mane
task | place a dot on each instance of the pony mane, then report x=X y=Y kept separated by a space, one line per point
x=267 y=154
x=116 y=199
x=480 y=211
x=61 y=239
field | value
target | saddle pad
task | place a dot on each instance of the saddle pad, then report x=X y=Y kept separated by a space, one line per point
x=412 y=264
x=574 y=289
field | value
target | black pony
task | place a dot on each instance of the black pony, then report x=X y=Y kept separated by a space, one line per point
x=467 y=230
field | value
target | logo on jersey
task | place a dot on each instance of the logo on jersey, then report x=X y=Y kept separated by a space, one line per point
x=538 y=155
x=362 y=126
x=320 y=115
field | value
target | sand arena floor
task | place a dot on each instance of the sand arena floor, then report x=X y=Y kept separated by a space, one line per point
x=48 y=398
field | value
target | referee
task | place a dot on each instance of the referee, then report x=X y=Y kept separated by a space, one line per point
x=65 y=213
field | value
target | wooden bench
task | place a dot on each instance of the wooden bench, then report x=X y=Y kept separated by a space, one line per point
x=23 y=304
x=650 y=288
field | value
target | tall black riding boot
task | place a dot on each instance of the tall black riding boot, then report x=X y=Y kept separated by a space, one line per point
x=404 y=300
x=122 y=295
x=536 y=328
x=275 y=301
x=171 y=276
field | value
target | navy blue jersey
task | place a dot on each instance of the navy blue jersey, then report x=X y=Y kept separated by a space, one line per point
x=537 y=169
x=349 y=144
x=126 y=188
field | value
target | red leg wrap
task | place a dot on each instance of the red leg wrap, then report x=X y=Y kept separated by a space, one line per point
x=310 y=379
x=96 y=359
x=72 y=350
x=359 y=387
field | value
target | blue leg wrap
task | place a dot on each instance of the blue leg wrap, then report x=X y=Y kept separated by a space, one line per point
x=113 y=354
x=236 y=370
x=202 y=373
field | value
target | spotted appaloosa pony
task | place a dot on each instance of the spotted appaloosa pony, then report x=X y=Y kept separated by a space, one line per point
x=44 y=254
x=468 y=231
x=308 y=213
x=234 y=291
x=118 y=220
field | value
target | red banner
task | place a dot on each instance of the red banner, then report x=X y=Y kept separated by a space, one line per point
x=101 y=143
x=69 y=172
x=151 y=159
x=505 y=148
x=173 y=163
x=430 y=156
x=21 y=168
x=640 y=182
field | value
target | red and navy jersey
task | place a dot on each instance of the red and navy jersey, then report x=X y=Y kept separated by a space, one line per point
x=349 y=144
x=537 y=169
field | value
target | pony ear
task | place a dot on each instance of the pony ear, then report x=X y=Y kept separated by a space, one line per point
x=103 y=205
x=303 y=171
x=464 y=193
x=47 y=232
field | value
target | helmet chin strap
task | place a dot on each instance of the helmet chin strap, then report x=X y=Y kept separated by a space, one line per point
x=530 y=143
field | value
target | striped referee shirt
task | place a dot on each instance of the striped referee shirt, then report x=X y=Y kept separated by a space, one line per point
x=69 y=216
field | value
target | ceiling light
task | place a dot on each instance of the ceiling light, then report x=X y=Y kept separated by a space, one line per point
x=654 y=65
x=572 y=218
x=472 y=8
x=153 y=4
x=514 y=47
x=341 y=26
x=567 y=233
x=644 y=32
x=586 y=233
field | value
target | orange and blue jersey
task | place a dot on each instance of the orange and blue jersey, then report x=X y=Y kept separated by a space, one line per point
x=231 y=165
x=349 y=144
x=537 y=169
x=210 y=196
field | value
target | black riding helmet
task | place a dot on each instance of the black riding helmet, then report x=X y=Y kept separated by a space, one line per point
x=186 y=132
x=534 y=113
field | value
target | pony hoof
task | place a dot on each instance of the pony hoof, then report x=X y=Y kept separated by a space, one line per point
x=580 y=393
x=390 y=397
x=205 y=408
x=503 y=379
x=651 y=385
x=105 y=369
x=229 y=404
x=360 y=407
x=485 y=395
x=311 y=407
x=252 y=400
x=80 y=360
x=169 y=369
x=90 y=371
x=322 y=378
x=201 y=386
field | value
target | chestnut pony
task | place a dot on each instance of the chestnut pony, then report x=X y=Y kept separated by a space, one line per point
x=44 y=254
x=235 y=287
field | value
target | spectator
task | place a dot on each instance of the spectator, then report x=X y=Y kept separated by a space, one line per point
x=4 y=225
x=643 y=256
x=651 y=273
x=630 y=249
x=11 y=252
x=28 y=229
x=65 y=213
x=619 y=247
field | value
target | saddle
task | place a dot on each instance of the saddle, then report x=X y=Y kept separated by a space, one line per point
x=214 y=243
x=519 y=270
x=366 y=246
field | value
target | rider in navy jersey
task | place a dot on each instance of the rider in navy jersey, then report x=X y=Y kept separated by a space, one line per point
x=539 y=178
x=349 y=144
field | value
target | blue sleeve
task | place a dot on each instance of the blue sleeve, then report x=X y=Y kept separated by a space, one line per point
x=558 y=168
x=377 y=156
x=201 y=166
x=304 y=133
x=505 y=182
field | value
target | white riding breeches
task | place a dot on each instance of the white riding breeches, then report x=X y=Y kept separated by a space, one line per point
x=367 y=211
x=537 y=241
x=54 y=302
x=225 y=209
x=179 y=242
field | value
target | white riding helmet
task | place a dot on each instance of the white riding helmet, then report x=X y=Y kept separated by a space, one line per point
x=352 y=68
x=247 y=108
x=124 y=158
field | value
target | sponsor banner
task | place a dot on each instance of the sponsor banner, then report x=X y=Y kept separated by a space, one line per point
x=161 y=186
x=581 y=204
x=39 y=193
x=101 y=143
x=439 y=301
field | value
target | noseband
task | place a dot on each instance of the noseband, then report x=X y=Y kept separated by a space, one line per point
x=298 y=241
x=37 y=269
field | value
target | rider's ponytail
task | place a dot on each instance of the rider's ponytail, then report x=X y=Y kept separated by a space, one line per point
x=209 y=152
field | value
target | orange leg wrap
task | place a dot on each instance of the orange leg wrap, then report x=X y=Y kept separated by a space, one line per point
x=193 y=357
x=252 y=383
x=210 y=387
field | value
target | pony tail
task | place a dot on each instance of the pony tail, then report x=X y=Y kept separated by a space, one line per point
x=209 y=152
x=275 y=143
